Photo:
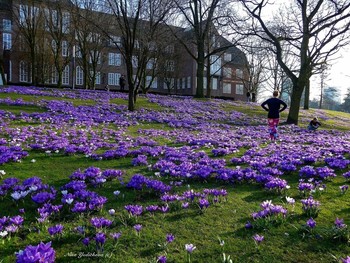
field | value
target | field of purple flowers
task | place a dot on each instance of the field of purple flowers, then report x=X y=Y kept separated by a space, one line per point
x=178 y=180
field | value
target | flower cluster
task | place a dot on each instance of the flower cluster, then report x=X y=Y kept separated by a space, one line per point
x=139 y=181
x=35 y=254
x=310 y=207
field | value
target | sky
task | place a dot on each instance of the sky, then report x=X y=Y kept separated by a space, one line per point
x=338 y=76
x=340 y=72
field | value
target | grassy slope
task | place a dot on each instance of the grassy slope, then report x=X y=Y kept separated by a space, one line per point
x=226 y=220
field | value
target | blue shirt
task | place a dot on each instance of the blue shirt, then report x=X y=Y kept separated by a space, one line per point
x=274 y=107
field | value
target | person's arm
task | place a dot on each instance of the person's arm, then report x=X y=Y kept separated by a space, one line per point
x=284 y=106
x=263 y=105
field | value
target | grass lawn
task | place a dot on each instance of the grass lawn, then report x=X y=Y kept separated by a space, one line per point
x=175 y=172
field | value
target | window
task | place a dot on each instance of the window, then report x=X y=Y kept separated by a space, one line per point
x=65 y=75
x=115 y=40
x=23 y=72
x=54 y=75
x=23 y=14
x=215 y=65
x=77 y=52
x=6 y=41
x=135 y=61
x=6 y=25
x=151 y=63
x=170 y=65
x=169 y=49
x=239 y=73
x=64 y=48
x=227 y=88
x=114 y=59
x=214 y=84
x=183 y=83
x=54 y=46
x=227 y=72
x=188 y=82
x=152 y=46
x=239 y=89
x=98 y=78
x=205 y=82
x=65 y=22
x=79 y=76
x=95 y=57
x=227 y=57
x=113 y=79
x=154 y=82
x=170 y=83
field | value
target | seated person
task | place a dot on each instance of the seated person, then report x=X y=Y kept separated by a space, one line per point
x=314 y=124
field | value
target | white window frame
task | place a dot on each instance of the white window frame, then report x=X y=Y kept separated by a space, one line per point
x=204 y=82
x=154 y=82
x=227 y=72
x=54 y=75
x=6 y=41
x=98 y=78
x=135 y=61
x=6 y=25
x=226 y=88
x=239 y=89
x=214 y=84
x=188 y=82
x=239 y=73
x=114 y=59
x=183 y=83
x=65 y=22
x=227 y=57
x=113 y=78
x=215 y=65
x=23 y=71
x=79 y=76
x=170 y=65
x=64 y=48
x=65 y=75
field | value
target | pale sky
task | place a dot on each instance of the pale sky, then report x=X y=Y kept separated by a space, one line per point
x=339 y=75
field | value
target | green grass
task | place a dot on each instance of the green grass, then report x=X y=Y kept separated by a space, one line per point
x=225 y=220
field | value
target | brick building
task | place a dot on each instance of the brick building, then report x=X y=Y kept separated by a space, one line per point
x=80 y=57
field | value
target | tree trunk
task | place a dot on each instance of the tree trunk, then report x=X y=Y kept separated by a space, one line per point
x=208 y=78
x=200 y=74
x=131 y=101
x=307 y=95
x=295 y=104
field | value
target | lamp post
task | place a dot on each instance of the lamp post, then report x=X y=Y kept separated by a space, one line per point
x=73 y=71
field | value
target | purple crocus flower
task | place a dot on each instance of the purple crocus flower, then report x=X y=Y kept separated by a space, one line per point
x=40 y=253
x=339 y=223
x=138 y=228
x=189 y=248
x=86 y=241
x=258 y=238
x=54 y=230
x=248 y=225
x=161 y=259
x=345 y=260
x=116 y=236
x=100 y=239
x=311 y=223
x=170 y=238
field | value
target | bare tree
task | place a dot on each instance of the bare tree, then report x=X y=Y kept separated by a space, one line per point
x=138 y=23
x=315 y=29
x=29 y=21
x=200 y=17
x=90 y=42
x=57 y=26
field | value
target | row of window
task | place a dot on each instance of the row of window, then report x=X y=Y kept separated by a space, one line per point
x=113 y=80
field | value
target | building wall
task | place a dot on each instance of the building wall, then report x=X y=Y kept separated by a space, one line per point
x=184 y=77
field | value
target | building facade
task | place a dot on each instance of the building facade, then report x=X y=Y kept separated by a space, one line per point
x=64 y=52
